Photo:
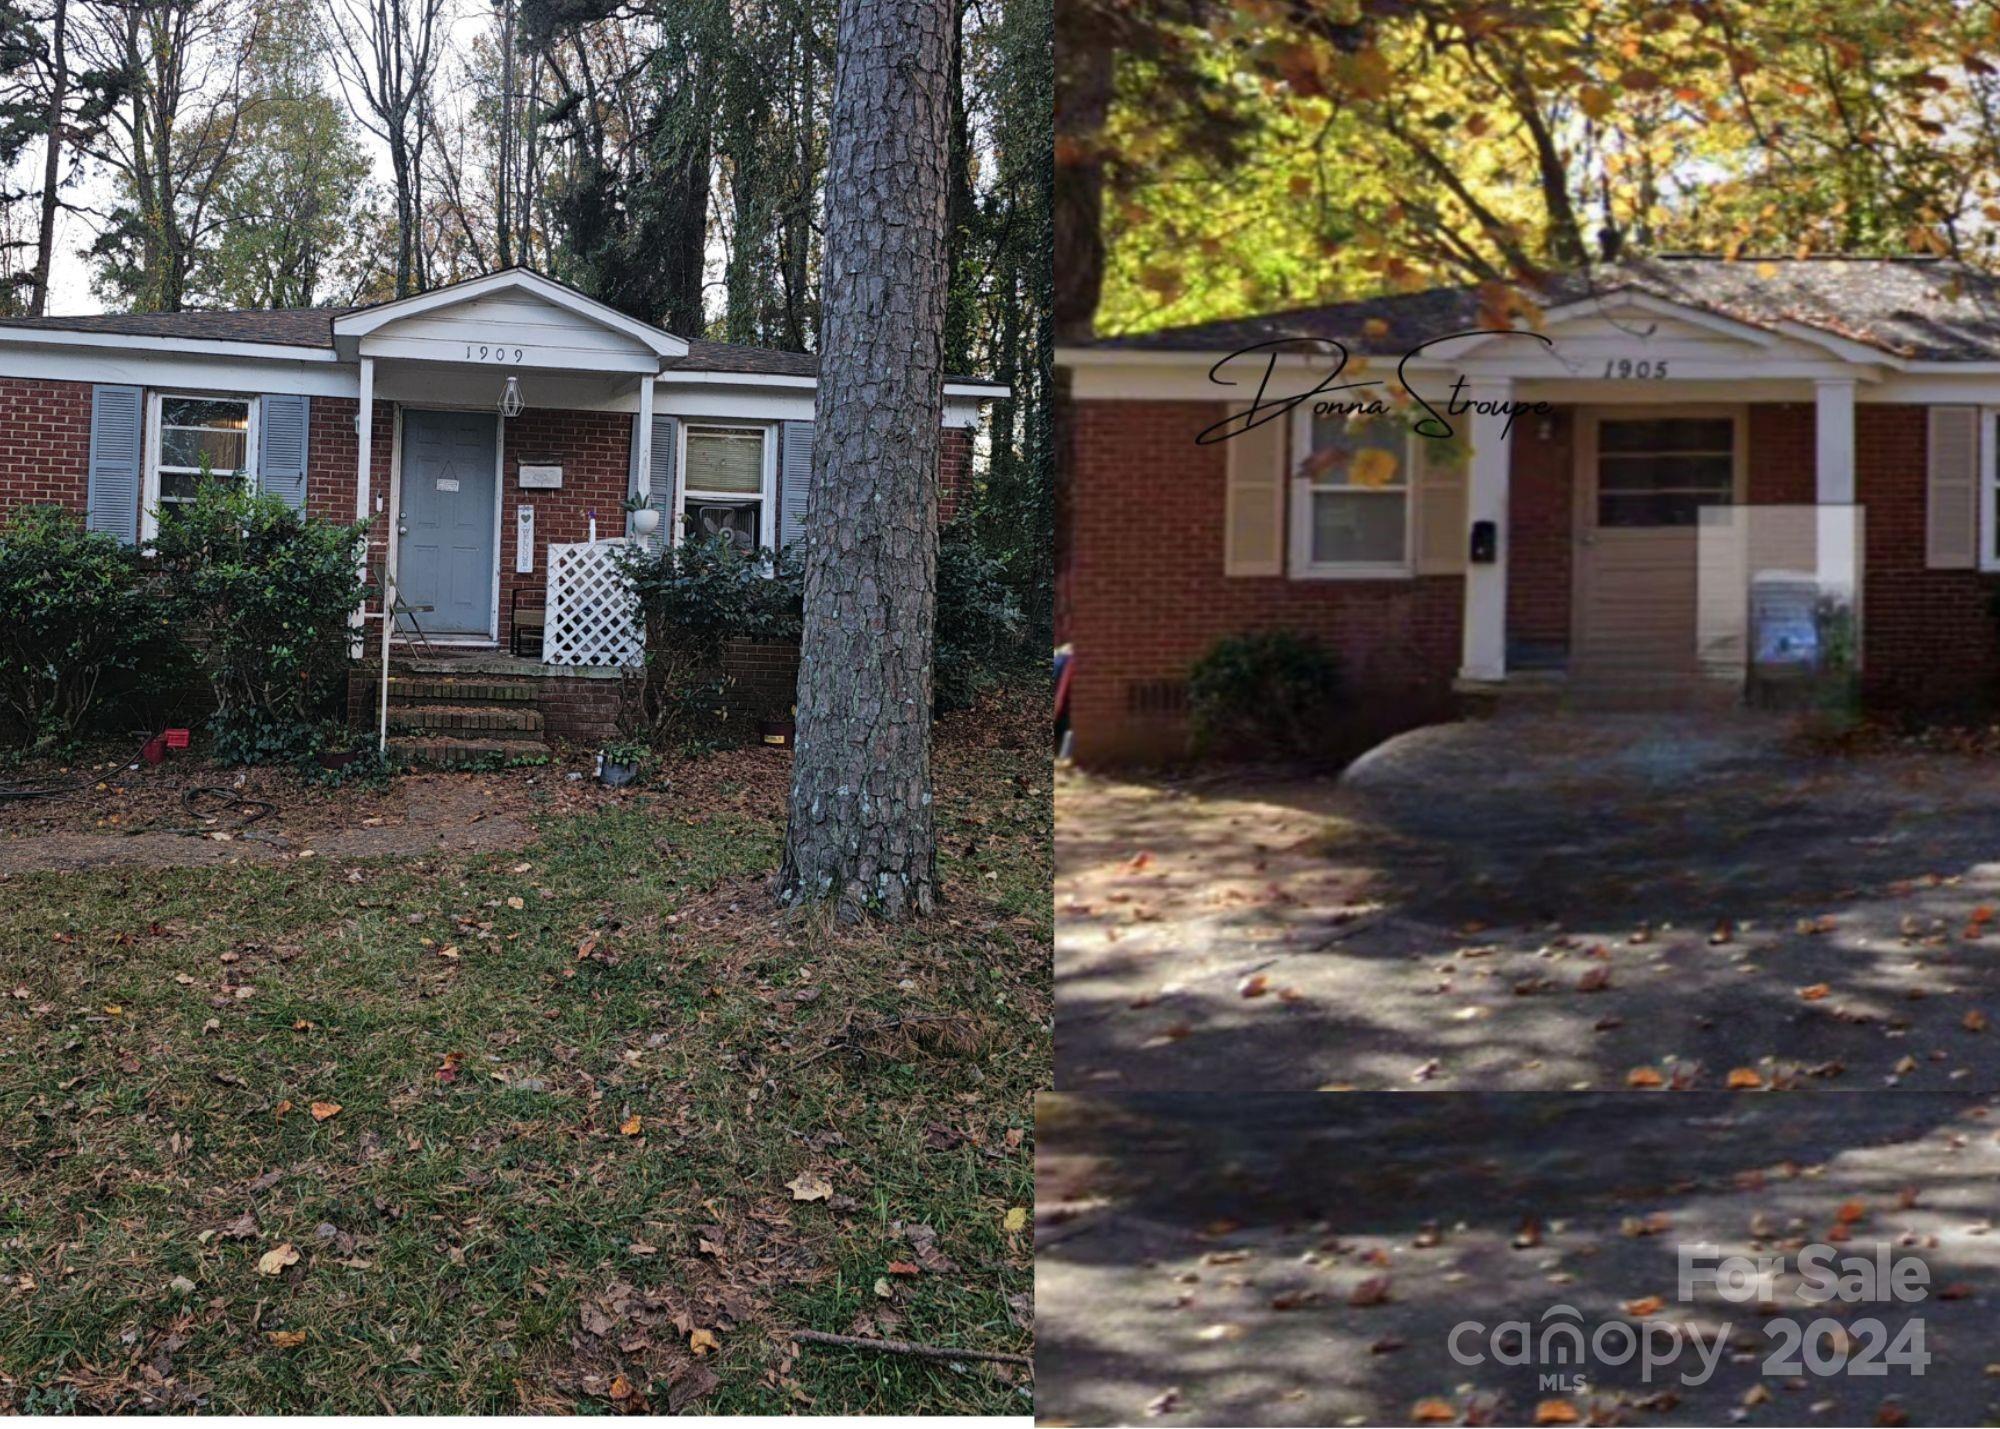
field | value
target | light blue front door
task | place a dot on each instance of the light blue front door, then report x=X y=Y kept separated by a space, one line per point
x=450 y=488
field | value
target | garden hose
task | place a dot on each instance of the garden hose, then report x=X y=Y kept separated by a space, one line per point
x=9 y=791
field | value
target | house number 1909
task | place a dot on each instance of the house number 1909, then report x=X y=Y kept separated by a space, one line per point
x=482 y=352
x=1643 y=368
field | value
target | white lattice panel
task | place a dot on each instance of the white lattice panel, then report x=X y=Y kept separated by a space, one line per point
x=591 y=615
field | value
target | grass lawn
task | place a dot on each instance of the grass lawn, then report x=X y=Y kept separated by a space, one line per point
x=581 y=1086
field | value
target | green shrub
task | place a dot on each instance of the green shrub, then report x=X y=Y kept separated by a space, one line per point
x=268 y=593
x=1263 y=696
x=980 y=626
x=80 y=624
x=693 y=599
x=696 y=597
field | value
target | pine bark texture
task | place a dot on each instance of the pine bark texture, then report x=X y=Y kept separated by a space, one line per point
x=862 y=831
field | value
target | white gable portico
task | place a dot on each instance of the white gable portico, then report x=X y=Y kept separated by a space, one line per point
x=457 y=346
x=1631 y=357
x=456 y=362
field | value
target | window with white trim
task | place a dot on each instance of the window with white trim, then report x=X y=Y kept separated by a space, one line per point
x=1351 y=497
x=725 y=484
x=196 y=434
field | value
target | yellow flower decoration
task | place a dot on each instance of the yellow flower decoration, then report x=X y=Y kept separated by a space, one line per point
x=1372 y=466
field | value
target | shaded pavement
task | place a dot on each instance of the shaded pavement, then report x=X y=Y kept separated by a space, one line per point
x=1302 y=1259
x=1545 y=903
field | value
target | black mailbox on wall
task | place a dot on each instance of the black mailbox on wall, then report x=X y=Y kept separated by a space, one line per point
x=1485 y=543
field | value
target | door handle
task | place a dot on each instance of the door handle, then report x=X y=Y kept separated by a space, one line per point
x=402 y=530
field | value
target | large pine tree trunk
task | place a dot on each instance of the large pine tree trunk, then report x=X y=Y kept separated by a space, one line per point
x=862 y=833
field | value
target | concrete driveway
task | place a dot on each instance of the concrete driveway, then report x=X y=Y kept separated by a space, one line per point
x=1549 y=902
x=1299 y=1259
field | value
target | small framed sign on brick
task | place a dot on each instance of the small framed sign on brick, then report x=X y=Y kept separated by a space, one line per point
x=541 y=477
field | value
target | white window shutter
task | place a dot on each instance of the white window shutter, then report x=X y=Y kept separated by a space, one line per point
x=1951 y=497
x=1438 y=475
x=1254 y=516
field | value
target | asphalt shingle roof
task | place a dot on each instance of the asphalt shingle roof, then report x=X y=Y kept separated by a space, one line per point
x=313 y=327
x=295 y=327
x=1926 y=309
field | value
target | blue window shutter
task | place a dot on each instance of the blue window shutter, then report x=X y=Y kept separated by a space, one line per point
x=282 y=426
x=116 y=440
x=795 y=469
x=663 y=472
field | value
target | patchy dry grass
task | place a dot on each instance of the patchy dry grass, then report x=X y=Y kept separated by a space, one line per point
x=573 y=1082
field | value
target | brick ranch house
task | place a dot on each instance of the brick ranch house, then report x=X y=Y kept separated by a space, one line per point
x=394 y=413
x=1708 y=433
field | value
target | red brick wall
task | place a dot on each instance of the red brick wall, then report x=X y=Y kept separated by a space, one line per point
x=954 y=472
x=1147 y=595
x=1781 y=457
x=46 y=457
x=331 y=449
x=1928 y=640
x=594 y=450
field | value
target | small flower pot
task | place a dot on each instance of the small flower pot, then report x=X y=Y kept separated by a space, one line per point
x=337 y=758
x=614 y=775
x=645 y=521
x=778 y=733
x=155 y=750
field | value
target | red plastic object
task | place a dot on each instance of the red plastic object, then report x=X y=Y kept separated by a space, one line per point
x=177 y=739
x=155 y=750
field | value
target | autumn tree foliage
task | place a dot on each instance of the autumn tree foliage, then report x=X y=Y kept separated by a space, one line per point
x=1263 y=155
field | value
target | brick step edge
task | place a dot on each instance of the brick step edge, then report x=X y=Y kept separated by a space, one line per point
x=444 y=753
x=429 y=690
x=454 y=717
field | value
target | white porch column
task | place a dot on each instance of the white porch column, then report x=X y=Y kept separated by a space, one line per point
x=642 y=482
x=363 y=418
x=1485 y=655
x=364 y=429
x=1833 y=449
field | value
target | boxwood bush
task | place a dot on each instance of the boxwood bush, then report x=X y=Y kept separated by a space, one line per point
x=267 y=593
x=80 y=625
x=1273 y=695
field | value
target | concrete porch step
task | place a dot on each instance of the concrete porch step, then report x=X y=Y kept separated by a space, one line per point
x=446 y=752
x=446 y=689
x=461 y=717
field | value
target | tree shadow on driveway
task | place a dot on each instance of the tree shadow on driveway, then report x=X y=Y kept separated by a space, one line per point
x=1306 y=1259
x=1537 y=904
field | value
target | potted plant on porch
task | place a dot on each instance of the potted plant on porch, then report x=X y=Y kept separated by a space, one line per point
x=645 y=517
x=340 y=744
x=620 y=761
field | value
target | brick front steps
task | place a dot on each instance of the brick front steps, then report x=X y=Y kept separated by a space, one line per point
x=441 y=752
x=446 y=721
x=467 y=706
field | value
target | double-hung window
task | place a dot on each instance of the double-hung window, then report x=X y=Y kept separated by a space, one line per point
x=725 y=484
x=1351 y=497
x=196 y=435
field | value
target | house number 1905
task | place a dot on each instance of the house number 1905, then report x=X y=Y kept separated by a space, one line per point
x=482 y=352
x=1643 y=368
